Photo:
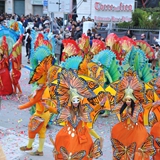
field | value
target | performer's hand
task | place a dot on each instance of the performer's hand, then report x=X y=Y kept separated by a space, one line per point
x=19 y=107
x=45 y=105
x=157 y=102
x=155 y=105
x=103 y=101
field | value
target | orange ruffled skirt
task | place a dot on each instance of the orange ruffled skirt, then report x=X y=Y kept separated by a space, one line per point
x=74 y=140
x=155 y=132
x=126 y=136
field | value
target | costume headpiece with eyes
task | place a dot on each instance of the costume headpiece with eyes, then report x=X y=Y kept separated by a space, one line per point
x=74 y=96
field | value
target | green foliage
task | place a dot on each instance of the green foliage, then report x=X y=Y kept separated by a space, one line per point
x=124 y=24
x=144 y=18
x=141 y=18
x=156 y=19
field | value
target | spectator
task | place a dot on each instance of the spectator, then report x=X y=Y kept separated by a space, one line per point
x=67 y=33
x=74 y=16
x=134 y=37
x=157 y=53
x=78 y=33
x=129 y=33
x=58 y=46
x=92 y=36
x=96 y=36
x=102 y=39
x=157 y=40
x=89 y=33
x=73 y=29
x=143 y=37
x=99 y=36
x=28 y=44
x=46 y=24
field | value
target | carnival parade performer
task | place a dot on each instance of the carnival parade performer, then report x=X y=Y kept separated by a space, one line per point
x=155 y=130
x=154 y=118
x=74 y=139
x=40 y=118
x=15 y=76
x=5 y=80
x=129 y=138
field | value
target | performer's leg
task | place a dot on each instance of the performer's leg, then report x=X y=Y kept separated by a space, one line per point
x=29 y=145
x=31 y=136
x=42 y=134
x=19 y=89
x=41 y=144
x=94 y=134
x=30 y=142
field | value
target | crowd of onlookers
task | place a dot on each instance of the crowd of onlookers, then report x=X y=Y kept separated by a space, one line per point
x=73 y=29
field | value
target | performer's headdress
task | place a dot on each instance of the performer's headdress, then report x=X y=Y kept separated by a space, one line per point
x=129 y=94
x=74 y=96
x=40 y=72
x=130 y=87
x=71 y=87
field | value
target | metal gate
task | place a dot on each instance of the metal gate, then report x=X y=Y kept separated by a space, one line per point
x=38 y=10
x=19 y=7
x=2 y=7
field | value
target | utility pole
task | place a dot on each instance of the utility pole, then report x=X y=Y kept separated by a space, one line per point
x=59 y=3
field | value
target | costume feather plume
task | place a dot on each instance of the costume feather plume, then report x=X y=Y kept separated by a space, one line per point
x=146 y=48
x=107 y=60
x=72 y=62
x=97 y=46
x=5 y=46
x=39 y=41
x=111 y=39
x=71 y=48
x=127 y=43
x=84 y=44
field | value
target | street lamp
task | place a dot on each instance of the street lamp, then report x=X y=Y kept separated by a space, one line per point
x=136 y=4
x=59 y=4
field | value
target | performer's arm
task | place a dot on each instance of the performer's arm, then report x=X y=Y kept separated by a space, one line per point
x=32 y=100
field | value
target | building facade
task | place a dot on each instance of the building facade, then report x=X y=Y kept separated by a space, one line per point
x=107 y=11
x=22 y=7
x=84 y=7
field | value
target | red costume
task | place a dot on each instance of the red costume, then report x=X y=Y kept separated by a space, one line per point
x=5 y=80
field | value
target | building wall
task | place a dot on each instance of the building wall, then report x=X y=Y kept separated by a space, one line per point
x=9 y=6
x=28 y=7
x=84 y=8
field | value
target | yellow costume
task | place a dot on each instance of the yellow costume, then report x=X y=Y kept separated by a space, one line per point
x=40 y=118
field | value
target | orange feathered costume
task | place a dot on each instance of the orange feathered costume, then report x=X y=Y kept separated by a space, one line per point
x=129 y=137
